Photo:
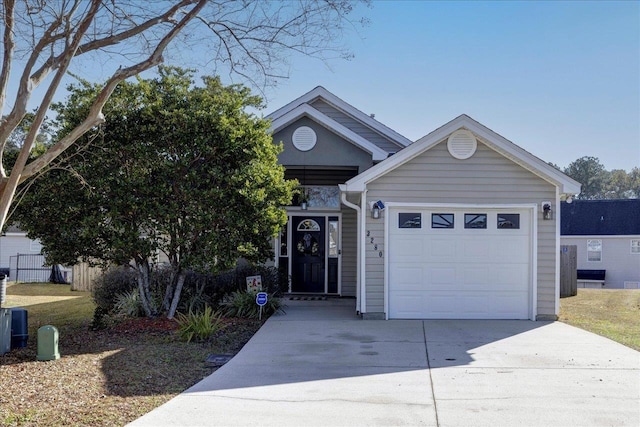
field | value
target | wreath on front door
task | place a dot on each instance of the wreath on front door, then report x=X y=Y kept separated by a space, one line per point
x=308 y=245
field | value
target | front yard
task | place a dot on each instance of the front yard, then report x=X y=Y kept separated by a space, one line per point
x=103 y=378
x=112 y=377
x=612 y=313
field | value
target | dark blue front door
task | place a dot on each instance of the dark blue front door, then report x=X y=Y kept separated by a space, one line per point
x=308 y=251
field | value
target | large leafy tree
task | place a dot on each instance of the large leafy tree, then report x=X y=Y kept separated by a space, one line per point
x=45 y=39
x=592 y=174
x=176 y=168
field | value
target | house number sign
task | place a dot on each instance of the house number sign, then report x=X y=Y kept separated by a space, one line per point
x=373 y=242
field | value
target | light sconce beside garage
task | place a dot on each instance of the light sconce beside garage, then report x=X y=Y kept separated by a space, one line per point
x=376 y=207
x=547 y=213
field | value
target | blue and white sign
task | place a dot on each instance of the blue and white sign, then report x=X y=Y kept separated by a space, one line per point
x=261 y=298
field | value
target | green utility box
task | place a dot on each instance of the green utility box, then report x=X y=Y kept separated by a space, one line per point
x=48 y=343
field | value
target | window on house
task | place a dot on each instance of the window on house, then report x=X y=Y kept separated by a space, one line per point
x=284 y=250
x=410 y=220
x=509 y=221
x=441 y=220
x=594 y=250
x=635 y=246
x=475 y=220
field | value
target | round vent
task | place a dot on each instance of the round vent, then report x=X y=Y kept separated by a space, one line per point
x=462 y=144
x=304 y=138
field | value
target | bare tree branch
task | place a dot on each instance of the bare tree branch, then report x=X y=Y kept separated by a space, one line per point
x=247 y=38
x=95 y=115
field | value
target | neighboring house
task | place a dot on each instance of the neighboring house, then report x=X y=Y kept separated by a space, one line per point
x=13 y=242
x=21 y=258
x=451 y=226
x=607 y=236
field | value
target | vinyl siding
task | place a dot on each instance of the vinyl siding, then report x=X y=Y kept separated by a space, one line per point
x=621 y=265
x=330 y=150
x=349 y=252
x=485 y=178
x=356 y=126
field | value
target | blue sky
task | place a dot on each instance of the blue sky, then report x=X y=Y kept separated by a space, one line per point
x=560 y=79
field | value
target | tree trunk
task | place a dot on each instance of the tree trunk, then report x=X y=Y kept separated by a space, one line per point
x=181 y=275
x=143 y=274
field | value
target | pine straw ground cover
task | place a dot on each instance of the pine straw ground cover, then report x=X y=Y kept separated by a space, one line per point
x=103 y=378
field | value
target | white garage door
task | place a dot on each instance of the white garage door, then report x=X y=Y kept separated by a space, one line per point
x=459 y=263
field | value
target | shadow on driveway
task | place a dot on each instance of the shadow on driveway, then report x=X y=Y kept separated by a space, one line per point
x=321 y=365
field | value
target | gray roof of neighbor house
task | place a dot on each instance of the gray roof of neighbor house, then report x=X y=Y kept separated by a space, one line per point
x=620 y=217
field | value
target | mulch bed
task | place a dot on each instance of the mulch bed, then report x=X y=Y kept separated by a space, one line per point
x=109 y=377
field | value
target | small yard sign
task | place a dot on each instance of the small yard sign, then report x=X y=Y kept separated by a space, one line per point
x=254 y=283
x=261 y=300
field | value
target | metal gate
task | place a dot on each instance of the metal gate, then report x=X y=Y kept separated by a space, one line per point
x=28 y=268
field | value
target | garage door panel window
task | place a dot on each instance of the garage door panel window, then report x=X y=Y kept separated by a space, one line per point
x=508 y=221
x=475 y=220
x=442 y=220
x=409 y=220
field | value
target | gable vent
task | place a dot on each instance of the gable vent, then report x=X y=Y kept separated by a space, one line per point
x=304 y=138
x=462 y=144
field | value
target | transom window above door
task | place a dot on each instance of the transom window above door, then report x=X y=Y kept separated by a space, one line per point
x=308 y=225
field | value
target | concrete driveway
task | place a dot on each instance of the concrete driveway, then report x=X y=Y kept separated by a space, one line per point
x=319 y=365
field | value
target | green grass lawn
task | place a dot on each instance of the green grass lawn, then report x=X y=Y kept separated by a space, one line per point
x=612 y=313
x=49 y=304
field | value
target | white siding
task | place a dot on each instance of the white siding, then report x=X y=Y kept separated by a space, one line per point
x=485 y=178
x=621 y=265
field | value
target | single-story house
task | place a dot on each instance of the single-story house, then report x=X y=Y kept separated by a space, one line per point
x=459 y=224
x=607 y=236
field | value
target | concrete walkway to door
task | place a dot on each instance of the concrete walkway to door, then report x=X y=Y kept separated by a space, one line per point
x=320 y=365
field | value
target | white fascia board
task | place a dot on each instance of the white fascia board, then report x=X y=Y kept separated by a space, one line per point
x=359 y=182
x=525 y=159
x=304 y=99
x=376 y=152
x=489 y=137
x=320 y=92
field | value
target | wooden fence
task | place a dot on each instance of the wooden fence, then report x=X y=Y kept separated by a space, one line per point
x=568 y=271
x=83 y=277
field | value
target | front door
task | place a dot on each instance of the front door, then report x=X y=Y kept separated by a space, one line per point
x=308 y=260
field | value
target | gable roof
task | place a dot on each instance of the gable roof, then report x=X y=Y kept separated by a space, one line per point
x=321 y=93
x=305 y=110
x=484 y=135
x=600 y=218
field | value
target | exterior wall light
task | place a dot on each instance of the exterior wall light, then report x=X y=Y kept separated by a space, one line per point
x=547 y=213
x=376 y=207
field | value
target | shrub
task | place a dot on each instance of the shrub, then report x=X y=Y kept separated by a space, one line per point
x=128 y=304
x=198 y=326
x=107 y=287
x=243 y=304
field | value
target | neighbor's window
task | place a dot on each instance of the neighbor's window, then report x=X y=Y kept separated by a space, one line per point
x=594 y=250
x=475 y=220
x=410 y=220
x=635 y=246
x=508 y=220
x=441 y=220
